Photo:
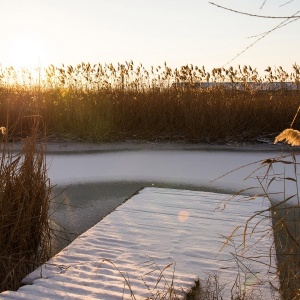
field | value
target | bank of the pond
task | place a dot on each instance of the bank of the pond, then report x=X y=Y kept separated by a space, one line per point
x=67 y=147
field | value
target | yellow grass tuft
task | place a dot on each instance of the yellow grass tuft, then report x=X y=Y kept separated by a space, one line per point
x=290 y=136
x=3 y=130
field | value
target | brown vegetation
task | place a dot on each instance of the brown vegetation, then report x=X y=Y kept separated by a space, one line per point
x=108 y=103
x=24 y=204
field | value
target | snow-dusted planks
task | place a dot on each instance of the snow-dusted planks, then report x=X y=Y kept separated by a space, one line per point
x=151 y=230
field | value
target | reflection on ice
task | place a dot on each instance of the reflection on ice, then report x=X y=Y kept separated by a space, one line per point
x=183 y=216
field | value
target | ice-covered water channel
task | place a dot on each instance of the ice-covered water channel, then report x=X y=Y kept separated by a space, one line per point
x=91 y=185
x=192 y=167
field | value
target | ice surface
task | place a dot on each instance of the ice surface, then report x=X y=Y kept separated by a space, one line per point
x=194 y=167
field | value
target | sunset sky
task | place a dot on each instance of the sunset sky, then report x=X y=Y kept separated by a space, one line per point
x=42 y=32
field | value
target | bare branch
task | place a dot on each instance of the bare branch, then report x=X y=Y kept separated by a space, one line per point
x=254 y=15
x=285 y=24
x=263 y=4
x=263 y=36
x=286 y=3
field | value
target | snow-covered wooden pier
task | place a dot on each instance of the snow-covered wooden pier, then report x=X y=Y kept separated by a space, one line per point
x=166 y=235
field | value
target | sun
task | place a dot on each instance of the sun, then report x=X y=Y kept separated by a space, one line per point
x=25 y=52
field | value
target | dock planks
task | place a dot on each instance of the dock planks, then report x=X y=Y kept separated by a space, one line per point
x=126 y=252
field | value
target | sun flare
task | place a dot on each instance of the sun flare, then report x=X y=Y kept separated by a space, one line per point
x=25 y=52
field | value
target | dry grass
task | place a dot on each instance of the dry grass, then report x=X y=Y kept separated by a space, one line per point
x=24 y=204
x=284 y=216
x=286 y=220
x=290 y=136
x=109 y=103
x=158 y=283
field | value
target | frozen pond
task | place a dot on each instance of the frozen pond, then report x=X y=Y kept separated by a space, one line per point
x=91 y=185
x=179 y=167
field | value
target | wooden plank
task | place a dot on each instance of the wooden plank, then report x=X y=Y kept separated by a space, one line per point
x=153 y=229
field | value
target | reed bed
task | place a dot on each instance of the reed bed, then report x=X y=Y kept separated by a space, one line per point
x=24 y=204
x=127 y=102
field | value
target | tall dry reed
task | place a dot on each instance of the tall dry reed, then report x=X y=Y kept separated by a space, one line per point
x=103 y=102
x=24 y=204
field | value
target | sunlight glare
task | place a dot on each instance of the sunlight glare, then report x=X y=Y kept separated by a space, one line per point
x=183 y=216
x=26 y=53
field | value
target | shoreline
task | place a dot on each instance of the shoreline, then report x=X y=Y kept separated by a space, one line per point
x=88 y=147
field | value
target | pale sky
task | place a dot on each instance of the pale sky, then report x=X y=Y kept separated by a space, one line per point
x=147 y=32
